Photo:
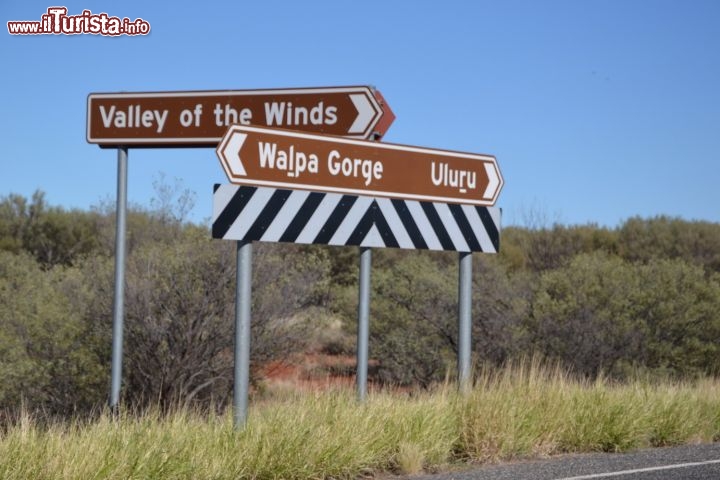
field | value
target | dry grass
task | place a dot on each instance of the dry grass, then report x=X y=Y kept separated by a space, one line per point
x=522 y=411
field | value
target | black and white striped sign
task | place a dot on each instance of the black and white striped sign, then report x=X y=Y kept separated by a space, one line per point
x=297 y=216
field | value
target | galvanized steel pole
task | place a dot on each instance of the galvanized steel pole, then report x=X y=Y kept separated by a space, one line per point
x=119 y=298
x=363 y=322
x=242 y=333
x=464 y=319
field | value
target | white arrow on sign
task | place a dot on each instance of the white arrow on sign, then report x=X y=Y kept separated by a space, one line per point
x=493 y=181
x=366 y=113
x=230 y=150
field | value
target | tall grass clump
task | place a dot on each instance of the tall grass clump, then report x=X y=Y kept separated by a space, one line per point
x=531 y=409
x=515 y=412
x=316 y=435
x=525 y=410
x=330 y=434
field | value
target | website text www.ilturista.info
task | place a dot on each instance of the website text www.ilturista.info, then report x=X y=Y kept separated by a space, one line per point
x=57 y=22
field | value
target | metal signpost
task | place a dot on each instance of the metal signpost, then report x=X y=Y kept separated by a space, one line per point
x=363 y=330
x=118 y=304
x=243 y=300
x=464 y=319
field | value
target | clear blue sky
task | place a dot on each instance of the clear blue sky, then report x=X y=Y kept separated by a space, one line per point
x=597 y=111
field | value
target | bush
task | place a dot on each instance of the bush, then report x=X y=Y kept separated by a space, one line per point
x=46 y=360
x=602 y=314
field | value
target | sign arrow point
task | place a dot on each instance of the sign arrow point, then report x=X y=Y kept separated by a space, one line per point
x=493 y=181
x=230 y=152
x=366 y=113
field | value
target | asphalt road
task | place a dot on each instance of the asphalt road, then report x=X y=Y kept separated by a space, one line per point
x=693 y=462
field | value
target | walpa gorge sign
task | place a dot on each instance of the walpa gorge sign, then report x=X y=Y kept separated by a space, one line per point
x=200 y=118
x=290 y=159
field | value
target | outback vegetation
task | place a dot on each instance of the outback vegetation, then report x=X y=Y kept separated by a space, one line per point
x=640 y=301
x=585 y=339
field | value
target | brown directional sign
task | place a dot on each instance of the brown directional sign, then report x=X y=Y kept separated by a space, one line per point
x=296 y=160
x=200 y=118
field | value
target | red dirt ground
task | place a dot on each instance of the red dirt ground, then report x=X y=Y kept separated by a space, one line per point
x=311 y=371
